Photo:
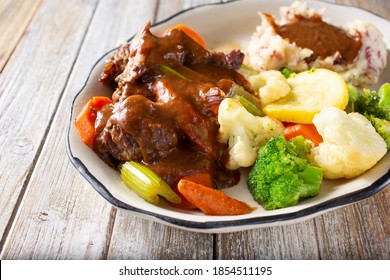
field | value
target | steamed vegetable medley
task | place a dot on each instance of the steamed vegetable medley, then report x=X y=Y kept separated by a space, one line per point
x=331 y=130
x=291 y=130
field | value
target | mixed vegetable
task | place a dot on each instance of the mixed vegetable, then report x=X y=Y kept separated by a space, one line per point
x=291 y=130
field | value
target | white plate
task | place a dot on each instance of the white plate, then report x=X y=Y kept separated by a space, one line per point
x=213 y=24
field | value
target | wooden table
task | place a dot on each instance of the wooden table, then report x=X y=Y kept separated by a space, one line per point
x=49 y=211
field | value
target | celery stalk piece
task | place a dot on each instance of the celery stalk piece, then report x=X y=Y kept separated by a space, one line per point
x=247 y=71
x=240 y=91
x=146 y=183
x=249 y=106
x=248 y=100
x=168 y=70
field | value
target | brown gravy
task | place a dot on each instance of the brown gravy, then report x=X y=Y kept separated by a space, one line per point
x=322 y=38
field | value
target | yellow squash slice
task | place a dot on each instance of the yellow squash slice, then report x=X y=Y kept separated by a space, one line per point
x=311 y=91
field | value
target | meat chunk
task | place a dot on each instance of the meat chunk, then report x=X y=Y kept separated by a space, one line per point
x=232 y=60
x=146 y=51
x=116 y=64
x=139 y=131
x=121 y=145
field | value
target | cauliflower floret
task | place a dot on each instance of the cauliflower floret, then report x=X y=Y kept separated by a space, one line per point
x=244 y=132
x=269 y=86
x=351 y=145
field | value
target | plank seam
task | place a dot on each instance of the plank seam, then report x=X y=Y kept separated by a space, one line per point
x=316 y=237
x=110 y=230
x=215 y=245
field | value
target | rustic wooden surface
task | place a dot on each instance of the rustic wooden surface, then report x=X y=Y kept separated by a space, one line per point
x=49 y=211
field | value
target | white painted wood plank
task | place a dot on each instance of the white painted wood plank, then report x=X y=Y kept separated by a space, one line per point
x=15 y=16
x=30 y=88
x=296 y=241
x=359 y=231
x=166 y=10
x=135 y=238
x=71 y=221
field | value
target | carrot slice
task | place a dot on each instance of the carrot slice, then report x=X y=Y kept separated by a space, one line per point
x=85 y=121
x=309 y=131
x=190 y=32
x=184 y=204
x=215 y=108
x=199 y=178
x=212 y=201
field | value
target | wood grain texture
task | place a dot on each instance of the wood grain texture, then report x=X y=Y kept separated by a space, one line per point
x=80 y=225
x=30 y=88
x=359 y=231
x=136 y=238
x=165 y=10
x=296 y=241
x=17 y=11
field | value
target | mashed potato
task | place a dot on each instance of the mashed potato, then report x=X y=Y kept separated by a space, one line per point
x=268 y=50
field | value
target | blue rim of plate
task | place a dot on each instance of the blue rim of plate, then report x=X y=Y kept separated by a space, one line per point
x=344 y=200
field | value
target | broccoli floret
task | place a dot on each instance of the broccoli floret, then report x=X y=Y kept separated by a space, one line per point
x=382 y=127
x=287 y=72
x=375 y=106
x=354 y=95
x=384 y=97
x=281 y=175
x=370 y=102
